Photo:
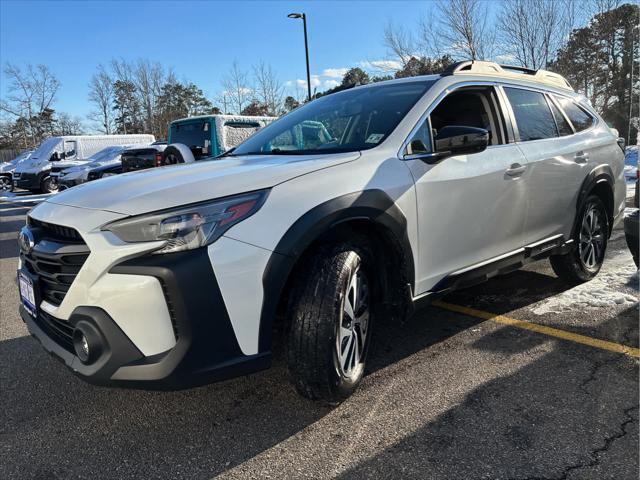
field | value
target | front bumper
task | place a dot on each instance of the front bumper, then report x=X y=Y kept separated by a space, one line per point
x=28 y=181
x=70 y=182
x=206 y=347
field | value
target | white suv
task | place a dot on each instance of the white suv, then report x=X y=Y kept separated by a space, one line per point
x=348 y=211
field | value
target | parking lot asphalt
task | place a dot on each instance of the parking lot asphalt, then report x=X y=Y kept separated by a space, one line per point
x=448 y=395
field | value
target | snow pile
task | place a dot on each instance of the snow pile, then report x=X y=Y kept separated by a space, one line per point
x=609 y=288
x=231 y=130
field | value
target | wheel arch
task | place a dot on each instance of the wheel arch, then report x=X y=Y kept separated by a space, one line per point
x=370 y=213
x=600 y=182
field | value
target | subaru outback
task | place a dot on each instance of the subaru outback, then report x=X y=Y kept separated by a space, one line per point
x=353 y=209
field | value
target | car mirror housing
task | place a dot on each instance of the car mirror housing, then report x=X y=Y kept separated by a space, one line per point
x=461 y=140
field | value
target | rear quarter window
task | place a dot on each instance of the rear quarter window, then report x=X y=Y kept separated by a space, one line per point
x=579 y=117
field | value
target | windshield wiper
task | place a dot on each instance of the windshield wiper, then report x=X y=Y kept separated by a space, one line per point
x=227 y=153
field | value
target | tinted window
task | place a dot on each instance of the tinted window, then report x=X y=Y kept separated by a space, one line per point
x=192 y=134
x=532 y=113
x=580 y=119
x=563 y=126
x=356 y=119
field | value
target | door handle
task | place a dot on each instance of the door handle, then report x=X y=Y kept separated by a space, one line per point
x=581 y=157
x=515 y=170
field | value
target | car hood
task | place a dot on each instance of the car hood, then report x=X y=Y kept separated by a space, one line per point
x=172 y=186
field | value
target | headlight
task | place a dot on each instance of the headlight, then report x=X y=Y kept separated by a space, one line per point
x=189 y=227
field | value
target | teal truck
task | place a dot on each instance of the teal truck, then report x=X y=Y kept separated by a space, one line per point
x=194 y=138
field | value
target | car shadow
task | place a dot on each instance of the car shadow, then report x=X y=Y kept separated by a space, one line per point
x=543 y=412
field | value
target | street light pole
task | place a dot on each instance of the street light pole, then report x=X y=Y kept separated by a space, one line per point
x=306 y=48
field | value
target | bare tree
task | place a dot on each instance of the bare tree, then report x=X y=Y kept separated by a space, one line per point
x=268 y=88
x=101 y=94
x=399 y=42
x=532 y=31
x=30 y=93
x=149 y=78
x=68 y=125
x=464 y=26
x=237 y=89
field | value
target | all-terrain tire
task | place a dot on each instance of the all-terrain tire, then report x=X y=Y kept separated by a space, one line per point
x=317 y=322
x=571 y=267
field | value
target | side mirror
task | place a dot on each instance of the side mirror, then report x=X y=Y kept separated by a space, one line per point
x=54 y=157
x=450 y=141
x=461 y=140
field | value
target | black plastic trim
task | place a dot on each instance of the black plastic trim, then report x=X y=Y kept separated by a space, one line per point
x=600 y=174
x=498 y=266
x=371 y=205
x=207 y=349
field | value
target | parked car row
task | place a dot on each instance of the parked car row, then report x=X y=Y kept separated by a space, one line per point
x=63 y=162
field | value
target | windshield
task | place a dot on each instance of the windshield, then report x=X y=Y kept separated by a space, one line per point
x=105 y=154
x=356 y=119
x=46 y=147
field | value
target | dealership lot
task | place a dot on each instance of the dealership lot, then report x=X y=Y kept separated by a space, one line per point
x=448 y=395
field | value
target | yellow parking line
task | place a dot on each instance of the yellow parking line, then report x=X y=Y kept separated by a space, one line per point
x=534 y=327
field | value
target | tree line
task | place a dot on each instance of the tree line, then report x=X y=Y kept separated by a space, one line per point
x=600 y=59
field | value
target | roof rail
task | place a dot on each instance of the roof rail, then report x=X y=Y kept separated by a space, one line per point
x=479 y=67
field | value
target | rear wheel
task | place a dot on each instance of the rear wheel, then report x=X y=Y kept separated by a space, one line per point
x=590 y=238
x=330 y=324
x=48 y=185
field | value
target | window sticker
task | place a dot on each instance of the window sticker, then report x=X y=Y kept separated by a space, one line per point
x=374 y=138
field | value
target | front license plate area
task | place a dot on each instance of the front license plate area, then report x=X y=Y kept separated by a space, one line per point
x=27 y=286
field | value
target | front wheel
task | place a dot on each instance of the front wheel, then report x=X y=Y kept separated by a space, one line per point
x=6 y=185
x=584 y=261
x=330 y=324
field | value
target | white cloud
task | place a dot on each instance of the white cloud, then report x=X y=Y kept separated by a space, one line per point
x=330 y=83
x=334 y=72
x=506 y=58
x=315 y=82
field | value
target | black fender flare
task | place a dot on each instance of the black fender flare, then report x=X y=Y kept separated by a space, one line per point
x=600 y=174
x=371 y=205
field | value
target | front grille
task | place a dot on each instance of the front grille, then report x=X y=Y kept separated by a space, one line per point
x=54 y=232
x=59 y=331
x=56 y=259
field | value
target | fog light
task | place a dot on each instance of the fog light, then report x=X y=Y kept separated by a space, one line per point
x=86 y=343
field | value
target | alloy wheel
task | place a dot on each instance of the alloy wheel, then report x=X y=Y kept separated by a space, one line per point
x=353 y=328
x=5 y=184
x=592 y=239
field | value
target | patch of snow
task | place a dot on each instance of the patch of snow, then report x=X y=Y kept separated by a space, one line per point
x=16 y=198
x=607 y=289
x=231 y=130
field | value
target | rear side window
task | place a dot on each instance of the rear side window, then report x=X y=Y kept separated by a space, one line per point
x=533 y=116
x=563 y=126
x=580 y=119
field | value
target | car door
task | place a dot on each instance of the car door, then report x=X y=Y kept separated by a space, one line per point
x=557 y=160
x=471 y=208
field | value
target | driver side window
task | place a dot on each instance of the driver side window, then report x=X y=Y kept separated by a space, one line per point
x=468 y=107
x=69 y=149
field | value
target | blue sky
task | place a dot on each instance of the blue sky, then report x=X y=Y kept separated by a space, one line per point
x=199 y=39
